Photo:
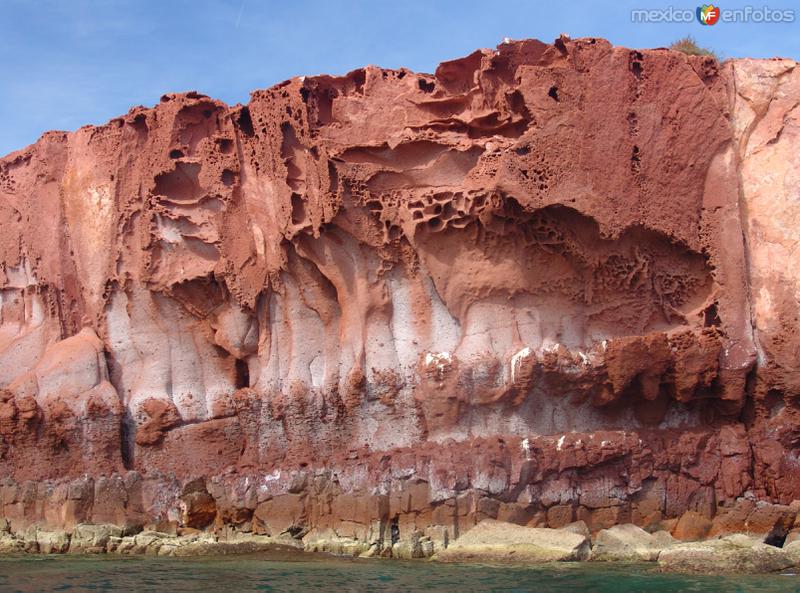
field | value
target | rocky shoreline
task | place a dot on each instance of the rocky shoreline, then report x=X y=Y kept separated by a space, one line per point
x=490 y=542
x=316 y=511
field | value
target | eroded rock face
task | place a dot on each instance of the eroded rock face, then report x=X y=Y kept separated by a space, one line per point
x=547 y=283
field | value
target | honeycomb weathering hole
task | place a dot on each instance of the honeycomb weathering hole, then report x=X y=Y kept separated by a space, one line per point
x=298 y=209
x=181 y=184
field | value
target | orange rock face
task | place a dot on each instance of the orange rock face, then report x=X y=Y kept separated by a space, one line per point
x=547 y=283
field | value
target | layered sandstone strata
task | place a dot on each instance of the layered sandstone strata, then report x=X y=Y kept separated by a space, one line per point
x=546 y=283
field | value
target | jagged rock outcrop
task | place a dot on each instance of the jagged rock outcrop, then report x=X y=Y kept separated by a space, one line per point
x=547 y=283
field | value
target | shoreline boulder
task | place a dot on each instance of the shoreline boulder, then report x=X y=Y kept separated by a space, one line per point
x=496 y=541
x=731 y=554
x=629 y=543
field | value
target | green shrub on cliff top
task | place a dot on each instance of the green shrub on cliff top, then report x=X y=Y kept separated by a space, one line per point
x=689 y=46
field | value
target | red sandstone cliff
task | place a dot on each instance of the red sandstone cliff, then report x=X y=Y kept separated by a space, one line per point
x=548 y=282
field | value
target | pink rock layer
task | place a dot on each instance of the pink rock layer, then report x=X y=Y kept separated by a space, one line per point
x=546 y=283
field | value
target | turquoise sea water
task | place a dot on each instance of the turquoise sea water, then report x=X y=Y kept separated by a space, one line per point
x=260 y=573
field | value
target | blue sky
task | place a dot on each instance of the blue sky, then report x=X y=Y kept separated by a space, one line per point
x=71 y=62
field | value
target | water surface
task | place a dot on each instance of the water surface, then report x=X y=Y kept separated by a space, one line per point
x=314 y=573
